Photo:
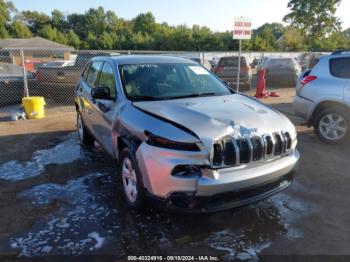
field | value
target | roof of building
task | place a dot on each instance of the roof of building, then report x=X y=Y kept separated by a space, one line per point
x=32 y=43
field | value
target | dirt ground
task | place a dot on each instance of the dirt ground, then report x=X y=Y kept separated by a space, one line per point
x=57 y=198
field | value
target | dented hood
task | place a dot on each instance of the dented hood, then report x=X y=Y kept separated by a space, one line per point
x=212 y=118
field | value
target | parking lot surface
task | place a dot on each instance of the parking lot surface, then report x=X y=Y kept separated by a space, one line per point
x=58 y=198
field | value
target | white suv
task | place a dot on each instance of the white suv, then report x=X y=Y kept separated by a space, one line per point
x=323 y=97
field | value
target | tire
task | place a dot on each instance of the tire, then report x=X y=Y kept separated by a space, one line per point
x=83 y=134
x=332 y=125
x=131 y=179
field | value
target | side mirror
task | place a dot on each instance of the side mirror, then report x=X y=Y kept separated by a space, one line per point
x=101 y=92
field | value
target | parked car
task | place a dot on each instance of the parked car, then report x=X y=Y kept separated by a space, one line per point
x=255 y=62
x=262 y=62
x=59 y=63
x=204 y=62
x=280 y=71
x=5 y=57
x=58 y=82
x=181 y=136
x=314 y=58
x=227 y=69
x=12 y=84
x=323 y=98
x=303 y=61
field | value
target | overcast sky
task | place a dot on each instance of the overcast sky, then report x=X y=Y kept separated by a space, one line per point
x=216 y=14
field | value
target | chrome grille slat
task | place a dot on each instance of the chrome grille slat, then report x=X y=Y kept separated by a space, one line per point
x=284 y=144
x=257 y=148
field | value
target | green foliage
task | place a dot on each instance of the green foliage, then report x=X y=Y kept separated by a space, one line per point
x=347 y=33
x=20 y=30
x=36 y=21
x=52 y=34
x=313 y=26
x=144 y=24
x=73 y=39
x=315 y=19
x=5 y=17
x=293 y=40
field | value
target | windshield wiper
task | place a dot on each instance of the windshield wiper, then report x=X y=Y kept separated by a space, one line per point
x=194 y=95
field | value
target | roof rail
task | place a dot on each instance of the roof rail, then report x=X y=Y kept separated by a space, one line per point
x=341 y=51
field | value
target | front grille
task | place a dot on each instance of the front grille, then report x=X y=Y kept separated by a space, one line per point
x=231 y=152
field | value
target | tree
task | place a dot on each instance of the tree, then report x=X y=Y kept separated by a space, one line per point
x=20 y=30
x=36 y=21
x=5 y=17
x=145 y=24
x=293 y=40
x=347 y=33
x=73 y=39
x=277 y=29
x=265 y=37
x=58 y=20
x=106 y=41
x=336 y=40
x=52 y=34
x=315 y=18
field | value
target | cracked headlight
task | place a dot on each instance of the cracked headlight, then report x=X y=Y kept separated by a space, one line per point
x=158 y=141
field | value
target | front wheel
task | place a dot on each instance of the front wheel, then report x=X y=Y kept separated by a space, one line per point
x=332 y=126
x=84 y=135
x=131 y=178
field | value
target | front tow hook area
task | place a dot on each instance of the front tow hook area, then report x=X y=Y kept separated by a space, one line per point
x=182 y=202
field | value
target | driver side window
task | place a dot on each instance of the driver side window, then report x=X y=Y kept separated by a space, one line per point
x=107 y=79
x=94 y=71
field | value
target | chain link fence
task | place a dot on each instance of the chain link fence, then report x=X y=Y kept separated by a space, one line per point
x=53 y=73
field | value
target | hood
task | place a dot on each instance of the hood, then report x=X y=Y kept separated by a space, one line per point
x=212 y=118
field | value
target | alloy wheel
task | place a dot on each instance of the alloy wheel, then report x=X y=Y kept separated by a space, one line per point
x=333 y=126
x=129 y=180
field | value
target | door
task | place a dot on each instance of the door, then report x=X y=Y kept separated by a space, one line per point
x=104 y=109
x=88 y=82
x=347 y=93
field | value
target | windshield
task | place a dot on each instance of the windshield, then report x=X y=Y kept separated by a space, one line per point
x=147 y=82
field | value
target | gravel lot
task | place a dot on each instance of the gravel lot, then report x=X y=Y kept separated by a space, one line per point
x=57 y=198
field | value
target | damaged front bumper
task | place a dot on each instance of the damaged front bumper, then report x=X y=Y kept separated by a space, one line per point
x=211 y=190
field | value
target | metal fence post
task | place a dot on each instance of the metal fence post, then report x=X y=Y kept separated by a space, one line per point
x=239 y=64
x=25 y=82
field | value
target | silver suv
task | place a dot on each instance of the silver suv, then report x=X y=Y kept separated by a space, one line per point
x=181 y=136
x=323 y=98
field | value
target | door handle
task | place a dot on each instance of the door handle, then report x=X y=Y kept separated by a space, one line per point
x=103 y=107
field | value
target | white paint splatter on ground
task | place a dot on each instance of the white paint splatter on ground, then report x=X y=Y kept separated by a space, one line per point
x=67 y=231
x=66 y=152
x=99 y=240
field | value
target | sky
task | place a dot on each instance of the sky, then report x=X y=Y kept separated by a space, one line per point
x=216 y=14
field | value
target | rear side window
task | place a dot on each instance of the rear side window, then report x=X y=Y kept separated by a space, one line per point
x=107 y=79
x=340 y=67
x=231 y=61
x=281 y=63
x=93 y=74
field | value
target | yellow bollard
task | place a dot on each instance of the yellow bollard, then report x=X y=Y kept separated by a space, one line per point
x=34 y=107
